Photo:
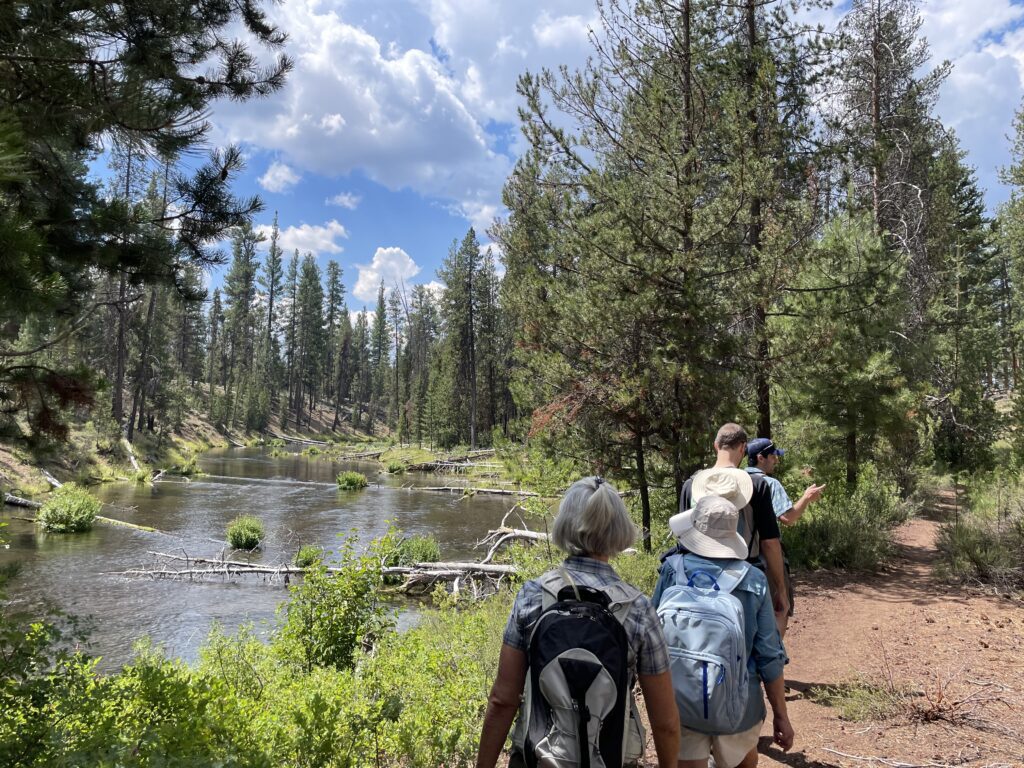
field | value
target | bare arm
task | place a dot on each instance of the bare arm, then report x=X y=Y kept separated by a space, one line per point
x=660 y=700
x=782 y=729
x=813 y=493
x=502 y=705
x=771 y=550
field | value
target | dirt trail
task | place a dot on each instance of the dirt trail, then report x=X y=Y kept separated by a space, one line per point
x=959 y=652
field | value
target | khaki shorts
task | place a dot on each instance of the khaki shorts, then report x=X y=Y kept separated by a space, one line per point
x=729 y=749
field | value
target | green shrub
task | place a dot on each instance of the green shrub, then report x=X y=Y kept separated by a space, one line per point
x=307 y=555
x=330 y=615
x=860 y=700
x=415 y=549
x=246 y=532
x=189 y=467
x=848 y=530
x=986 y=551
x=276 y=443
x=352 y=481
x=396 y=468
x=312 y=450
x=69 y=509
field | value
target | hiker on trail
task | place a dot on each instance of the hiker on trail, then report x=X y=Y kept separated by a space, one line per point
x=576 y=640
x=763 y=458
x=758 y=525
x=720 y=627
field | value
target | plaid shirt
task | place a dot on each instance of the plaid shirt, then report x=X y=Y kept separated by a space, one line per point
x=643 y=629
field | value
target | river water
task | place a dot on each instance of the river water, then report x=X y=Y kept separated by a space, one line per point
x=299 y=503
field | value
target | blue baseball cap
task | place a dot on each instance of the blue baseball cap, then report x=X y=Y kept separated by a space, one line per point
x=762 y=446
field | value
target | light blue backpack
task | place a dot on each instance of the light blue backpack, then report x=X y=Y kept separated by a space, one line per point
x=707 y=651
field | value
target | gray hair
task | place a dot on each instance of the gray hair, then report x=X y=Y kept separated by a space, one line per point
x=592 y=520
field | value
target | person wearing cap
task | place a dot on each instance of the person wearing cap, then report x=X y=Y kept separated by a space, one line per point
x=708 y=535
x=751 y=495
x=762 y=460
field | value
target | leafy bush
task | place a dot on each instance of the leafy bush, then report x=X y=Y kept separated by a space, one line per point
x=308 y=555
x=415 y=549
x=69 y=509
x=312 y=450
x=396 y=468
x=333 y=687
x=352 y=481
x=189 y=467
x=332 y=614
x=848 y=530
x=990 y=552
x=246 y=532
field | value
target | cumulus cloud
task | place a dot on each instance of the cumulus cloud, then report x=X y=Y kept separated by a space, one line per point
x=344 y=200
x=316 y=239
x=279 y=178
x=392 y=265
x=986 y=47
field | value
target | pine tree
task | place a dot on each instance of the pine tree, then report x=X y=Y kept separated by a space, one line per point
x=64 y=92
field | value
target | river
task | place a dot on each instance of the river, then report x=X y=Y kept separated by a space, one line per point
x=299 y=503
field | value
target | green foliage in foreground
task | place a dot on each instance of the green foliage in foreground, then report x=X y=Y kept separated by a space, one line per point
x=307 y=555
x=352 y=481
x=69 y=509
x=335 y=687
x=246 y=532
x=848 y=530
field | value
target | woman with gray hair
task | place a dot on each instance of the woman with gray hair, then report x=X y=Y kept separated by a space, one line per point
x=560 y=639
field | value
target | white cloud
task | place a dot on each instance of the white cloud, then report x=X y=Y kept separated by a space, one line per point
x=344 y=200
x=308 y=237
x=279 y=178
x=955 y=28
x=392 y=265
x=562 y=31
x=979 y=98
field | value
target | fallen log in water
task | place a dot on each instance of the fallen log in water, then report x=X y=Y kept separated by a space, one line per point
x=503 y=535
x=416 y=577
x=300 y=440
x=17 y=501
x=470 y=491
x=51 y=479
x=450 y=466
x=362 y=455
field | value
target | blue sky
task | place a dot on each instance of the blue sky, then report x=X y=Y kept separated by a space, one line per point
x=398 y=126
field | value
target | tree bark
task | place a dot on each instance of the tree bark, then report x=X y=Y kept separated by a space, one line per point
x=645 y=499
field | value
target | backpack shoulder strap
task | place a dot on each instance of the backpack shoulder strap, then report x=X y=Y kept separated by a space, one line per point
x=550 y=584
x=731 y=577
x=678 y=567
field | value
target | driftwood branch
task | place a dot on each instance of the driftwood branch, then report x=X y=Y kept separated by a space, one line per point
x=51 y=479
x=300 y=440
x=416 y=577
x=503 y=535
x=470 y=491
x=17 y=501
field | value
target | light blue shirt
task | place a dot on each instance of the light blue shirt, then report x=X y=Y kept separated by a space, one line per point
x=766 y=655
x=780 y=499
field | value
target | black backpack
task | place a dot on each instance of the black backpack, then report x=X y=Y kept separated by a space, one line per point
x=578 y=707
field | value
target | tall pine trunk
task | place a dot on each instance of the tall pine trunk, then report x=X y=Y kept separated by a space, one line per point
x=762 y=384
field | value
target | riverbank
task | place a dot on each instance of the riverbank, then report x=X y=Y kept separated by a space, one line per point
x=96 y=452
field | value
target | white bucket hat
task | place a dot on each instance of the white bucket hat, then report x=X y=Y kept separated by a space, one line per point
x=730 y=483
x=709 y=529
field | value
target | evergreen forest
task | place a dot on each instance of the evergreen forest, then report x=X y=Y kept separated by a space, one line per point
x=730 y=213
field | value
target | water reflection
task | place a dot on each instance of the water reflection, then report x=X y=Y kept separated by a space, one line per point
x=294 y=495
